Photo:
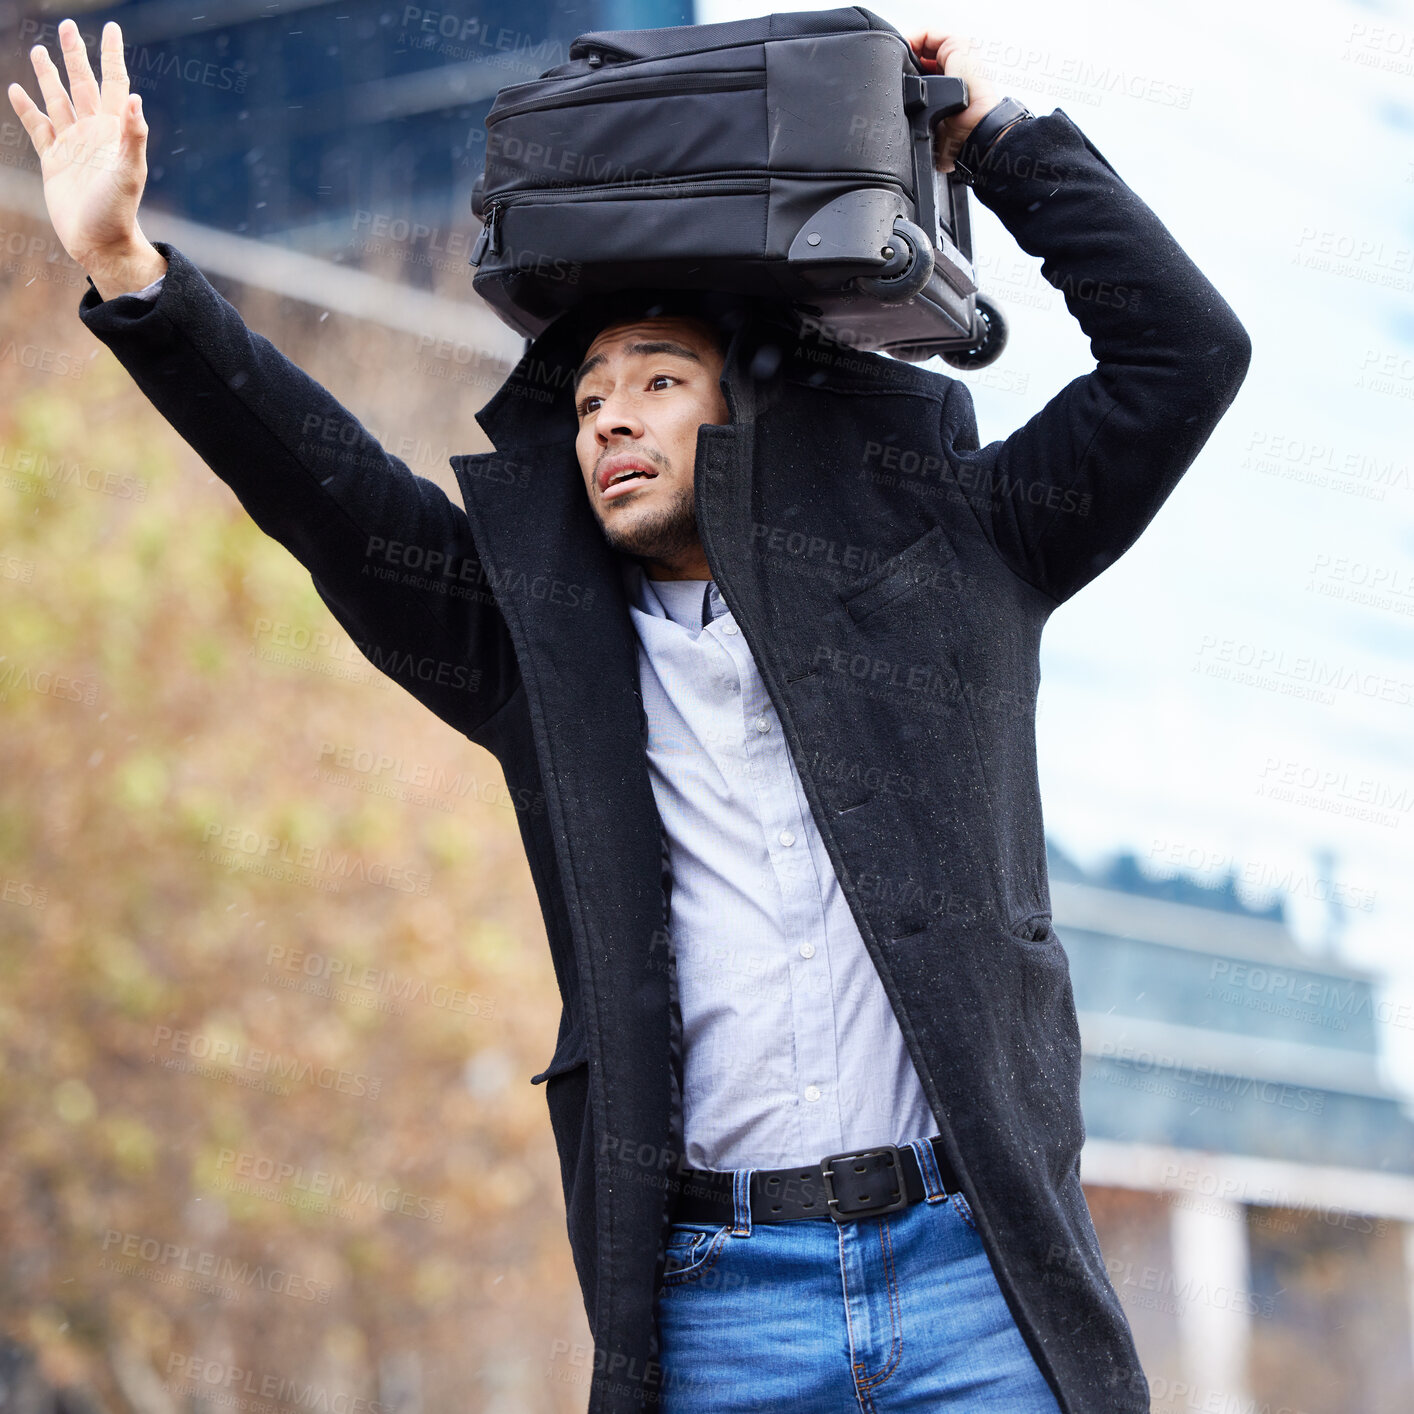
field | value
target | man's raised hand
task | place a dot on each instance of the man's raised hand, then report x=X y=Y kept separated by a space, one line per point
x=956 y=57
x=92 y=151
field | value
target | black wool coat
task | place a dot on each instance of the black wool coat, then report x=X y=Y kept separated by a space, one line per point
x=892 y=578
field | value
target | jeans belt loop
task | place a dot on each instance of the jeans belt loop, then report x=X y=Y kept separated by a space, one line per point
x=741 y=1202
x=934 y=1189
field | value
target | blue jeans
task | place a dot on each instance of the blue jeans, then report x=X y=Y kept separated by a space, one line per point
x=889 y=1314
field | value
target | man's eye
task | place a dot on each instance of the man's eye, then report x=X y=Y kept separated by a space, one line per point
x=590 y=403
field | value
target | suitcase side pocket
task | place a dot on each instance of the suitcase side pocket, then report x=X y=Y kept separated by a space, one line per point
x=687 y=218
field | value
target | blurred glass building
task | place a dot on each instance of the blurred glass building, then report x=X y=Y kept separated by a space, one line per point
x=287 y=121
x=1250 y=1172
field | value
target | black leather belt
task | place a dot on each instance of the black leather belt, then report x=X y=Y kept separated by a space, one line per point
x=843 y=1187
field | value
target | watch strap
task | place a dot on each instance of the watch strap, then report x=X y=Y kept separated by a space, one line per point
x=989 y=128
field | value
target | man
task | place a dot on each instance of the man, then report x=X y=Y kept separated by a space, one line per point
x=762 y=620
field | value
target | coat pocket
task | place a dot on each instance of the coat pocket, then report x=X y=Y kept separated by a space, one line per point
x=1034 y=929
x=928 y=560
x=571 y=1052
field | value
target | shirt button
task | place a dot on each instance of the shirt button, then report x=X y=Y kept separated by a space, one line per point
x=729 y=628
x=786 y=837
x=807 y=949
x=763 y=724
x=812 y=1092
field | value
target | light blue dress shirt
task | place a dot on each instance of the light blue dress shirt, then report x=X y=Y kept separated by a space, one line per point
x=791 y=1050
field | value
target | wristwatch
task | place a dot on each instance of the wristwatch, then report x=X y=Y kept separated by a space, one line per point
x=992 y=125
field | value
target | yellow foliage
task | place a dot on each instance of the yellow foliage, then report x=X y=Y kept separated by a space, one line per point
x=202 y=978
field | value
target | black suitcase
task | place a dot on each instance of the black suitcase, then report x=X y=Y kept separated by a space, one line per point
x=789 y=157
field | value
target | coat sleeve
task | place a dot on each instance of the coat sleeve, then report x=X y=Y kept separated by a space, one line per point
x=389 y=552
x=1066 y=494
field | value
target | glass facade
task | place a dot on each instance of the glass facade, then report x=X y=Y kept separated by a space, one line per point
x=301 y=125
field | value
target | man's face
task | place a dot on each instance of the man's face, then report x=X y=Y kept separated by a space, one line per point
x=644 y=389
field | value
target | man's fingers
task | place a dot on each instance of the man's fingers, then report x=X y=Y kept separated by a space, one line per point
x=950 y=49
x=39 y=128
x=134 y=127
x=115 y=72
x=83 y=87
x=56 y=100
x=927 y=43
x=941 y=54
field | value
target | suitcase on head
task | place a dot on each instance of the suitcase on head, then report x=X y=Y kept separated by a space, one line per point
x=788 y=157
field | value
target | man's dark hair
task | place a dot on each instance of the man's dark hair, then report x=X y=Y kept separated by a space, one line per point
x=723 y=313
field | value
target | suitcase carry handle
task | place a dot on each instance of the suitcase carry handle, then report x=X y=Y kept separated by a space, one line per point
x=937 y=95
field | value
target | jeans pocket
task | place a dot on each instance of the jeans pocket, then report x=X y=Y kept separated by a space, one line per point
x=692 y=1251
x=963 y=1209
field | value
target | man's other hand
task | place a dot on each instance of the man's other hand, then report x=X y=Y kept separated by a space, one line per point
x=955 y=56
x=93 y=157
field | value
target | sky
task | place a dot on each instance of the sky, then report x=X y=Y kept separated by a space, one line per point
x=1237 y=692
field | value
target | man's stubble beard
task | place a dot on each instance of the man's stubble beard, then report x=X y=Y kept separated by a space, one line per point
x=668 y=531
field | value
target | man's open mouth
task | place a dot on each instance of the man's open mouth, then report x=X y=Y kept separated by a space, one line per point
x=624 y=479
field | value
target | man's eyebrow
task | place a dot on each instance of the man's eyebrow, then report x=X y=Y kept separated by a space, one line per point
x=645 y=348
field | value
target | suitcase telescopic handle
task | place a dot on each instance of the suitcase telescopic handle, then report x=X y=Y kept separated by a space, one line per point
x=927 y=100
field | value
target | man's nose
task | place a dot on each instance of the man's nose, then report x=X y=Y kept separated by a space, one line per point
x=617 y=417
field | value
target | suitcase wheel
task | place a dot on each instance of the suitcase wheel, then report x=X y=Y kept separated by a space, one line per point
x=988 y=346
x=909 y=267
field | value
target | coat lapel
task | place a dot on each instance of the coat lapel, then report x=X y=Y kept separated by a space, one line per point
x=560 y=589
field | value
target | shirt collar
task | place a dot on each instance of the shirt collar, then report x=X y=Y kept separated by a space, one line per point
x=693 y=603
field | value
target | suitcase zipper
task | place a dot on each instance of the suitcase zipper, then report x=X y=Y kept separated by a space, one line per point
x=486 y=242
x=612 y=90
x=727 y=182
